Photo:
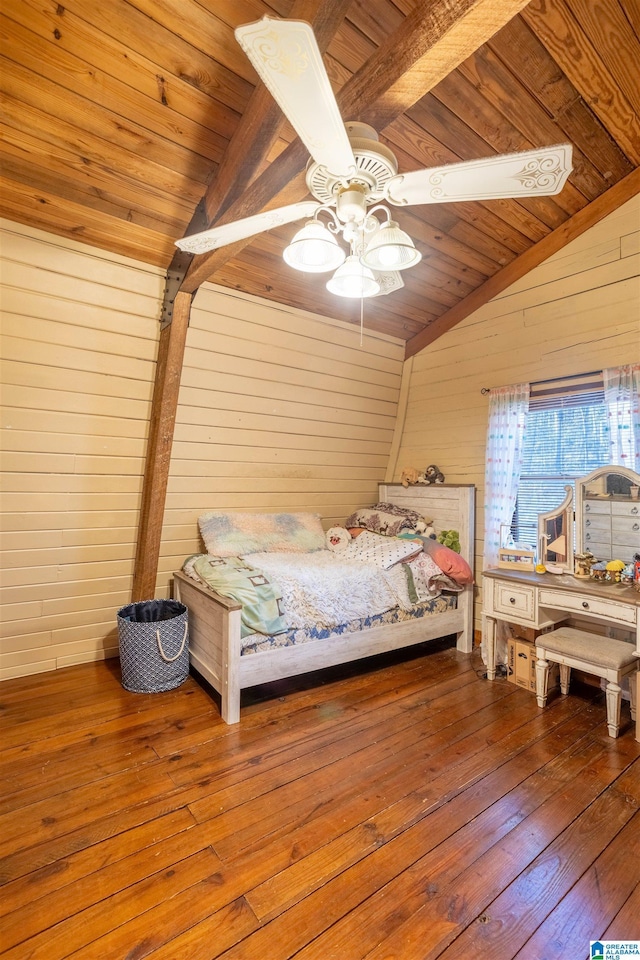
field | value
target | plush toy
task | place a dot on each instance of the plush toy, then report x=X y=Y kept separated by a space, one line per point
x=433 y=474
x=451 y=539
x=424 y=529
x=338 y=538
x=408 y=475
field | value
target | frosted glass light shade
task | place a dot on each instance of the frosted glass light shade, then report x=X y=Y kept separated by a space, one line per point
x=391 y=249
x=353 y=279
x=314 y=249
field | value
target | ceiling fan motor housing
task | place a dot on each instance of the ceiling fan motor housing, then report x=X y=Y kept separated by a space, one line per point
x=375 y=164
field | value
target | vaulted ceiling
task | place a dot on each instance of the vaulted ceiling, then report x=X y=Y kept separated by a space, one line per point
x=129 y=124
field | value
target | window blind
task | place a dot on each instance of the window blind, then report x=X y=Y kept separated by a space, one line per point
x=565 y=437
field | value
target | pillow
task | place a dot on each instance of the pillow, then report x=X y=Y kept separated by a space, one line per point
x=449 y=561
x=382 y=551
x=237 y=534
x=385 y=518
x=261 y=598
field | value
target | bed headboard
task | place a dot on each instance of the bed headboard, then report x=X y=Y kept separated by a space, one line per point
x=447 y=506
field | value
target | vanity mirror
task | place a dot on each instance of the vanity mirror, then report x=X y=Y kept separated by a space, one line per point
x=555 y=536
x=608 y=513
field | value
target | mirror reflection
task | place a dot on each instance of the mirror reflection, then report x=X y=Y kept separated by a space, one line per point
x=555 y=536
x=608 y=514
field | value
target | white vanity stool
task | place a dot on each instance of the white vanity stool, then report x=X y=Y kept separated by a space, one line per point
x=611 y=660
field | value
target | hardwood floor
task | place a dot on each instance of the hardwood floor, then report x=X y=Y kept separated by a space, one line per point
x=404 y=809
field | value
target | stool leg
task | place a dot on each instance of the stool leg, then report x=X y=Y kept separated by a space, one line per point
x=614 y=701
x=542 y=681
x=565 y=674
x=632 y=694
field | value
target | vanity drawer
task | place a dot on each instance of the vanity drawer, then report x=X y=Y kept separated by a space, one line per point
x=598 y=521
x=515 y=599
x=591 y=606
x=599 y=548
x=626 y=530
x=597 y=506
x=623 y=508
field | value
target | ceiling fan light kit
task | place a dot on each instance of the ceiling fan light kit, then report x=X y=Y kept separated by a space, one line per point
x=391 y=248
x=354 y=280
x=350 y=172
x=314 y=250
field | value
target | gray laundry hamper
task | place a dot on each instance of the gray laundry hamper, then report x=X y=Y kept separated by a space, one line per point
x=153 y=636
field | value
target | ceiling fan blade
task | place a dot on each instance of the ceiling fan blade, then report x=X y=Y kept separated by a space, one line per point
x=287 y=59
x=534 y=173
x=248 y=227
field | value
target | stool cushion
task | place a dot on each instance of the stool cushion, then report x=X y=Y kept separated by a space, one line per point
x=600 y=651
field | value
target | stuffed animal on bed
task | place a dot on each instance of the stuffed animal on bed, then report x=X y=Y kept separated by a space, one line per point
x=338 y=538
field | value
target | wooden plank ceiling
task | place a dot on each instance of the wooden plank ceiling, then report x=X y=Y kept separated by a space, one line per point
x=119 y=117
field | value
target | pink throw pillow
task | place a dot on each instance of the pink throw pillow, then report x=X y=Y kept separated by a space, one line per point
x=449 y=561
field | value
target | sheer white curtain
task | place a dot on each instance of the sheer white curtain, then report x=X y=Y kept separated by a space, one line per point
x=507 y=418
x=622 y=399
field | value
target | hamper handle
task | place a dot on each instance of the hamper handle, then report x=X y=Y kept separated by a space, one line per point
x=160 y=647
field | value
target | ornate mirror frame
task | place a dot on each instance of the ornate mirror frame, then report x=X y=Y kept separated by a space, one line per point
x=555 y=536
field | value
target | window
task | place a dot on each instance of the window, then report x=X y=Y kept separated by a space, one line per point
x=566 y=437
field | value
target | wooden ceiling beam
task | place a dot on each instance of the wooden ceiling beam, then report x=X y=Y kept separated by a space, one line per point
x=431 y=41
x=595 y=211
x=158 y=457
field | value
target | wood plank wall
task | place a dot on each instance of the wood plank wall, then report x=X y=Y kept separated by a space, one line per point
x=278 y=410
x=579 y=311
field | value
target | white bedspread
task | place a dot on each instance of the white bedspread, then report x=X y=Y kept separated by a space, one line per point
x=322 y=588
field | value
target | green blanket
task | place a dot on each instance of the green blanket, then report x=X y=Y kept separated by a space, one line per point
x=260 y=597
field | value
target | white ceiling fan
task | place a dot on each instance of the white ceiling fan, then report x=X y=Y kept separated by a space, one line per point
x=353 y=176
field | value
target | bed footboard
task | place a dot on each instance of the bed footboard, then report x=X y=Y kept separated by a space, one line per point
x=214 y=640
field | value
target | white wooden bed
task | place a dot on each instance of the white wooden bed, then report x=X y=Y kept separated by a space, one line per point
x=214 y=620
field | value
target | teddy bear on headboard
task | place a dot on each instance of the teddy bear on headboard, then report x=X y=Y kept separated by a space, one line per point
x=409 y=475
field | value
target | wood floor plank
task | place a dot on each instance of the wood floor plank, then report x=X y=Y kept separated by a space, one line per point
x=332 y=903
x=27 y=890
x=626 y=923
x=447 y=800
x=605 y=887
x=105 y=882
x=508 y=922
x=205 y=759
x=88 y=925
x=357 y=756
x=56 y=816
x=402 y=808
x=440 y=885
x=504 y=925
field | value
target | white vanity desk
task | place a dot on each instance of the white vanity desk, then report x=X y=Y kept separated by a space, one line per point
x=607 y=525
x=542 y=600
